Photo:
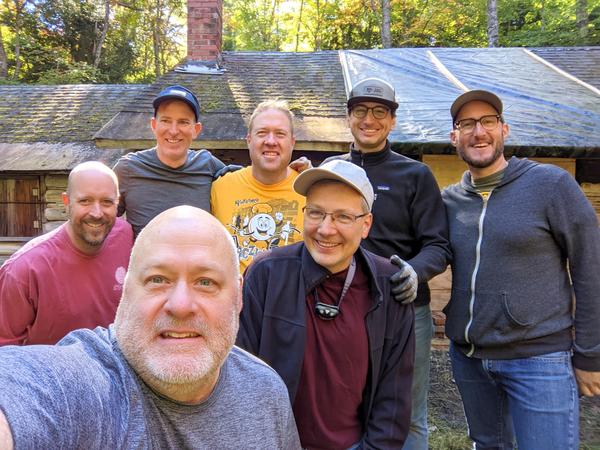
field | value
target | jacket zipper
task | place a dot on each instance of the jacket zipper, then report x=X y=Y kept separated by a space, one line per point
x=475 y=270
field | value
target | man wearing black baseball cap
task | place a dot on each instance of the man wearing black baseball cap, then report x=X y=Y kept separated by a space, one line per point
x=409 y=224
x=524 y=312
x=170 y=174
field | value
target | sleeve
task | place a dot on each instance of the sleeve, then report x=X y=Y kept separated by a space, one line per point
x=430 y=225
x=389 y=422
x=251 y=317
x=17 y=308
x=32 y=397
x=219 y=168
x=574 y=225
x=120 y=169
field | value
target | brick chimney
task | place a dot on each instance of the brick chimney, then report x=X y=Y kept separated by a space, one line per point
x=205 y=30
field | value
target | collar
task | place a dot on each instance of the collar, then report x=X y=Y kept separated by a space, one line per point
x=314 y=274
x=370 y=158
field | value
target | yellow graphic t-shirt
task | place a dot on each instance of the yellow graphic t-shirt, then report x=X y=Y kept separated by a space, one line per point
x=258 y=216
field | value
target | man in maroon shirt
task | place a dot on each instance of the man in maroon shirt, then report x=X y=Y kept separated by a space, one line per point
x=321 y=313
x=73 y=276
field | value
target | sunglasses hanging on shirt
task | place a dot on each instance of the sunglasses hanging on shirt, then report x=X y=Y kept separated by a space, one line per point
x=326 y=311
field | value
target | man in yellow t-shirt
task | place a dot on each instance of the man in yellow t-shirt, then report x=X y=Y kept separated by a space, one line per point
x=258 y=204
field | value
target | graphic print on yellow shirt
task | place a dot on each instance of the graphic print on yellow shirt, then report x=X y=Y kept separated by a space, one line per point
x=258 y=216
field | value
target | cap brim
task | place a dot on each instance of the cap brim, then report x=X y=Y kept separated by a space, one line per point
x=469 y=96
x=306 y=179
x=390 y=104
x=157 y=102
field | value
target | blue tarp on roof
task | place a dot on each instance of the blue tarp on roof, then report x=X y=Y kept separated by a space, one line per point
x=542 y=106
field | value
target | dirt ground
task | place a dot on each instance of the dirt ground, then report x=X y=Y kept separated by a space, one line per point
x=448 y=429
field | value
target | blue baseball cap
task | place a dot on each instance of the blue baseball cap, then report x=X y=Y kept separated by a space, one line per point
x=177 y=92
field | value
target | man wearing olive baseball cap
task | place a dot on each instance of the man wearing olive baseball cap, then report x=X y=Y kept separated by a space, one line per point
x=524 y=312
x=409 y=223
x=171 y=173
x=322 y=314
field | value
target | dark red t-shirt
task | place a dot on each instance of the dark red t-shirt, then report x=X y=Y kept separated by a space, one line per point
x=335 y=366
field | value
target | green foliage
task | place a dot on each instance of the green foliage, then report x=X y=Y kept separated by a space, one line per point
x=55 y=41
x=72 y=73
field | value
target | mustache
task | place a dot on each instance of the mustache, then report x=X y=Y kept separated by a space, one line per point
x=195 y=325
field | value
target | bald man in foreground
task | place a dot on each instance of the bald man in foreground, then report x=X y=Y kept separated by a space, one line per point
x=165 y=374
x=73 y=276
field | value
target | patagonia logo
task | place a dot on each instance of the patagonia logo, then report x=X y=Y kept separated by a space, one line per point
x=382 y=187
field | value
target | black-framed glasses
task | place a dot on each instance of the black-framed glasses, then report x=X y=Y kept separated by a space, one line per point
x=487 y=122
x=317 y=216
x=379 y=112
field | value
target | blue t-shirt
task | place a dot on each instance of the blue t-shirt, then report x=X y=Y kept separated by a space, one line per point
x=82 y=393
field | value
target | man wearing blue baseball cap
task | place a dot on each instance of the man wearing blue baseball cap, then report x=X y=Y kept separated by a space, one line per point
x=170 y=174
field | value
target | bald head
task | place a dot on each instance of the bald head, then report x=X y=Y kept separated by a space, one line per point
x=178 y=317
x=88 y=169
x=91 y=202
x=186 y=225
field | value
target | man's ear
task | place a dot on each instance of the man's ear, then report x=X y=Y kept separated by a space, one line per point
x=505 y=130
x=240 y=300
x=65 y=199
x=197 y=129
x=454 y=137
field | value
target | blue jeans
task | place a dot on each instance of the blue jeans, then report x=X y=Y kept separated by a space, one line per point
x=417 y=435
x=531 y=399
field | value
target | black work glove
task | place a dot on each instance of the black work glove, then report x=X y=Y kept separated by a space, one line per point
x=404 y=282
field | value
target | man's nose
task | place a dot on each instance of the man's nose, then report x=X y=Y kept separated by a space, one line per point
x=479 y=130
x=327 y=227
x=270 y=139
x=181 y=302
x=95 y=210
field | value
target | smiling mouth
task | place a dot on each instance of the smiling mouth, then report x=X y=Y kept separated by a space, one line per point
x=175 y=335
x=327 y=244
x=270 y=154
x=94 y=225
x=173 y=141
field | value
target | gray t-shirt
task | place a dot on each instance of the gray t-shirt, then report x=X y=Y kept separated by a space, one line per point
x=149 y=187
x=82 y=394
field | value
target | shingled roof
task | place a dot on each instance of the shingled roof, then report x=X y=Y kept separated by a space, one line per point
x=65 y=113
x=581 y=62
x=551 y=114
x=50 y=128
x=312 y=83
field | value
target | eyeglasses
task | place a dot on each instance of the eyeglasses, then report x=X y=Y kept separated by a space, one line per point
x=317 y=216
x=379 y=112
x=468 y=125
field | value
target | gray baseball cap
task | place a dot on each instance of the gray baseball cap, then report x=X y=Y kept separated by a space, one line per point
x=338 y=170
x=373 y=90
x=177 y=92
x=469 y=96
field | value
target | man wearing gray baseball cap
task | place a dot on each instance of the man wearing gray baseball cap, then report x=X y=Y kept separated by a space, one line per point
x=322 y=314
x=409 y=224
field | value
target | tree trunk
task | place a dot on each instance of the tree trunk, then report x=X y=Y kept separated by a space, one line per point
x=3 y=59
x=18 y=22
x=386 y=33
x=100 y=42
x=156 y=35
x=298 y=25
x=492 y=23
x=581 y=14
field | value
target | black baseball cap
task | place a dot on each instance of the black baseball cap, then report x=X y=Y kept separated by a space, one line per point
x=469 y=96
x=177 y=92
x=373 y=90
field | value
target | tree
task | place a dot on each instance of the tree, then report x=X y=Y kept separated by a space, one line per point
x=386 y=33
x=582 y=20
x=492 y=23
x=3 y=58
